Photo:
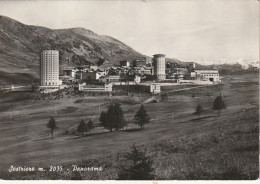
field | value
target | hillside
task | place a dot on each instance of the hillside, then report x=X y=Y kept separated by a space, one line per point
x=21 y=44
x=182 y=145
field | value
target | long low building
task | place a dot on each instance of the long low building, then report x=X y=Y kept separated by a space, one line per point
x=95 y=88
x=210 y=75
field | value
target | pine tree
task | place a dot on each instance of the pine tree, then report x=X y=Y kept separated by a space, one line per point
x=199 y=110
x=137 y=166
x=218 y=104
x=104 y=121
x=113 y=118
x=141 y=118
x=90 y=125
x=52 y=125
x=117 y=116
x=82 y=127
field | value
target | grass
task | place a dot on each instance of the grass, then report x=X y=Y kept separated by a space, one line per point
x=216 y=151
x=210 y=147
x=11 y=78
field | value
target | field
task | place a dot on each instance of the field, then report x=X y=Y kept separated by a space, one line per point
x=6 y=79
x=182 y=145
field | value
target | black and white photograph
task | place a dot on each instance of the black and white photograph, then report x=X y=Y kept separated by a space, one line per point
x=147 y=90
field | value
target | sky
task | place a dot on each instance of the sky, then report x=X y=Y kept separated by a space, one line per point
x=204 y=31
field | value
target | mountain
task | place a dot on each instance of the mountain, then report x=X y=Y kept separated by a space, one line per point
x=245 y=63
x=20 y=47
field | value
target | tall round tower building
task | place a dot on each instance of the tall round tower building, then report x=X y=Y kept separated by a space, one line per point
x=159 y=66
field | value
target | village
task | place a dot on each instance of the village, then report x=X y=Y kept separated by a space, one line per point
x=144 y=73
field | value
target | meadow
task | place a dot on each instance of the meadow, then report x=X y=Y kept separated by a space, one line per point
x=182 y=145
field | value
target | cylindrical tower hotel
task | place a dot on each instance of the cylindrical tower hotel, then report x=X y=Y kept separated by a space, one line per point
x=159 y=66
x=50 y=68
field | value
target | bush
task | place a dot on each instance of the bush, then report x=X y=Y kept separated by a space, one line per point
x=137 y=166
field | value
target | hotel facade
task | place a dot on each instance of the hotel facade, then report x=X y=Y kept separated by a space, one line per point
x=49 y=68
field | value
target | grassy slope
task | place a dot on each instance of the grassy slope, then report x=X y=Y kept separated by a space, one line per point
x=182 y=147
x=17 y=78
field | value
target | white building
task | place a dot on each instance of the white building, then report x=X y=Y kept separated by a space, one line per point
x=155 y=88
x=110 y=78
x=159 y=66
x=96 y=88
x=49 y=68
x=206 y=75
x=137 y=79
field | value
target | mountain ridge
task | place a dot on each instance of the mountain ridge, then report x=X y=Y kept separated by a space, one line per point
x=20 y=46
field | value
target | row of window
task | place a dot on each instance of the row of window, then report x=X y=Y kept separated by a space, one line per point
x=46 y=83
x=209 y=74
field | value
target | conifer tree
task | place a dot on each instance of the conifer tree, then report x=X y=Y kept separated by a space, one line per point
x=52 y=125
x=199 y=110
x=218 y=104
x=137 y=166
x=141 y=118
x=82 y=127
x=113 y=118
x=90 y=125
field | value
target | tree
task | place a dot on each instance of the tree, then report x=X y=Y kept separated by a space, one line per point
x=199 y=109
x=76 y=176
x=105 y=121
x=90 y=125
x=82 y=127
x=113 y=118
x=52 y=125
x=218 y=104
x=141 y=118
x=136 y=166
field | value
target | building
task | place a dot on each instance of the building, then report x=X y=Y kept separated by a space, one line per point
x=92 y=76
x=192 y=66
x=155 y=88
x=95 y=88
x=159 y=66
x=110 y=78
x=206 y=75
x=49 y=68
x=70 y=72
x=137 y=79
x=124 y=63
x=139 y=63
x=94 y=67
x=144 y=70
